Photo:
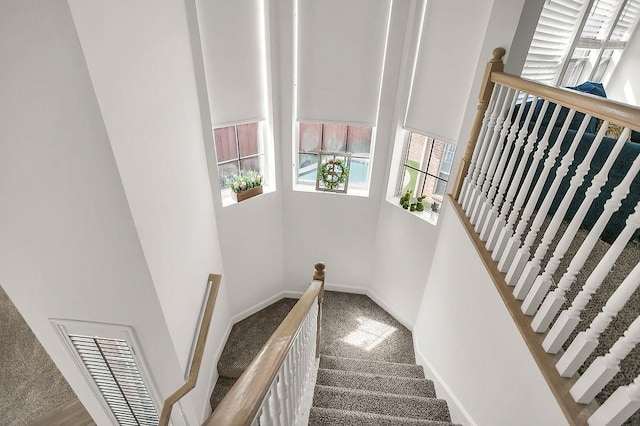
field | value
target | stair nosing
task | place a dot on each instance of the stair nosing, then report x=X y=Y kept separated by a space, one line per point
x=376 y=415
x=379 y=393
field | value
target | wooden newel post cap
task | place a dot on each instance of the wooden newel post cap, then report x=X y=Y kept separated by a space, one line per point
x=498 y=53
x=318 y=273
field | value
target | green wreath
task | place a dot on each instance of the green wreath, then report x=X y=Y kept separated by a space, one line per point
x=334 y=172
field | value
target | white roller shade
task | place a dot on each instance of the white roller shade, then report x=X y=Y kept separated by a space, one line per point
x=446 y=66
x=233 y=47
x=341 y=46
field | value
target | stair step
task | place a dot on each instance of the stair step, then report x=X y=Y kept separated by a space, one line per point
x=376 y=382
x=333 y=417
x=380 y=403
x=223 y=385
x=372 y=367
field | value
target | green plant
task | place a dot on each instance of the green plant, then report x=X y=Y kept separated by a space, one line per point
x=244 y=181
x=405 y=200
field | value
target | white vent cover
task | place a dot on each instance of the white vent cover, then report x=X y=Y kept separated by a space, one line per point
x=107 y=356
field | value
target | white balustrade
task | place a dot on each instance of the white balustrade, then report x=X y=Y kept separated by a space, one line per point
x=524 y=278
x=540 y=284
x=467 y=182
x=490 y=233
x=513 y=243
x=486 y=154
x=495 y=148
x=604 y=368
x=621 y=405
x=554 y=300
x=504 y=169
x=519 y=185
x=522 y=255
x=587 y=341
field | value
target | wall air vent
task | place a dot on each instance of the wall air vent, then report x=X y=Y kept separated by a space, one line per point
x=107 y=356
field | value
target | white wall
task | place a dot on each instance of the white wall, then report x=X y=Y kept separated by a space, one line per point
x=624 y=83
x=468 y=338
x=68 y=244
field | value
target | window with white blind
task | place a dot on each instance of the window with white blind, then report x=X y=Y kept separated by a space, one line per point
x=109 y=357
x=580 y=40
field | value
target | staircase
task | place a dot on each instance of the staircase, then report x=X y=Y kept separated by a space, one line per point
x=354 y=392
x=354 y=386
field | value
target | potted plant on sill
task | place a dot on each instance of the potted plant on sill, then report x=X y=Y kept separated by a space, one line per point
x=246 y=184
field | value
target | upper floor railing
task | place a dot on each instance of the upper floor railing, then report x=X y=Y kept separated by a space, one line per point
x=545 y=166
x=273 y=387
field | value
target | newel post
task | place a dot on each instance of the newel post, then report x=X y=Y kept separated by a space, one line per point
x=318 y=275
x=495 y=64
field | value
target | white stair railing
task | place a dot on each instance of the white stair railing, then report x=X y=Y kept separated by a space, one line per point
x=275 y=387
x=521 y=154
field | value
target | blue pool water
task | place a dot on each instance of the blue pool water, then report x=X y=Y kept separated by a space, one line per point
x=357 y=173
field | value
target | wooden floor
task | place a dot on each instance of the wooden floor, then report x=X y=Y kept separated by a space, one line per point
x=70 y=414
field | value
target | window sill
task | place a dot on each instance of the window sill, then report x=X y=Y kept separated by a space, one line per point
x=353 y=192
x=229 y=199
x=428 y=215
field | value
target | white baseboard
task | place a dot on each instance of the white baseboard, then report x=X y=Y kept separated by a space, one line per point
x=263 y=304
x=458 y=413
x=373 y=296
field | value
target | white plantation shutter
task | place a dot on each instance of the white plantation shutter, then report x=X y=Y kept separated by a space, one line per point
x=598 y=23
x=552 y=40
x=626 y=22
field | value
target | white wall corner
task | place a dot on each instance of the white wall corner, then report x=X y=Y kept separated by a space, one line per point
x=373 y=296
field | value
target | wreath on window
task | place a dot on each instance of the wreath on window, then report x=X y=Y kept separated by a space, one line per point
x=334 y=172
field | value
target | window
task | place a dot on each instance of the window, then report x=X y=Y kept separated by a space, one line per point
x=572 y=44
x=316 y=137
x=238 y=148
x=426 y=167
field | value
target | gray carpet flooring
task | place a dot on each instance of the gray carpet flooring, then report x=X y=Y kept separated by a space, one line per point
x=31 y=386
x=367 y=373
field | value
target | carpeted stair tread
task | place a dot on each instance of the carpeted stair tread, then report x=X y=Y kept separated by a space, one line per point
x=333 y=417
x=248 y=336
x=372 y=367
x=376 y=382
x=380 y=403
x=223 y=385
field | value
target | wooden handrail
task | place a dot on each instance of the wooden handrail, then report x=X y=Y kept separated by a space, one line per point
x=493 y=66
x=194 y=370
x=596 y=106
x=242 y=403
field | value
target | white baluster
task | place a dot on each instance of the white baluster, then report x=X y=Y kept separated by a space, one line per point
x=486 y=152
x=555 y=299
x=532 y=268
x=522 y=255
x=266 y=417
x=476 y=151
x=492 y=232
x=604 y=368
x=514 y=241
x=619 y=406
x=519 y=185
x=290 y=385
x=497 y=139
x=587 y=341
x=494 y=196
x=284 y=393
x=277 y=403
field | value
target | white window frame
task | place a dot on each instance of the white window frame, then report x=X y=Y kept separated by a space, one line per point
x=590 y=64
x=360 y=190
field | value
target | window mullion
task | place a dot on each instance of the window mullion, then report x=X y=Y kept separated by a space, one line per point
x=575 y=38
x=612 y=27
